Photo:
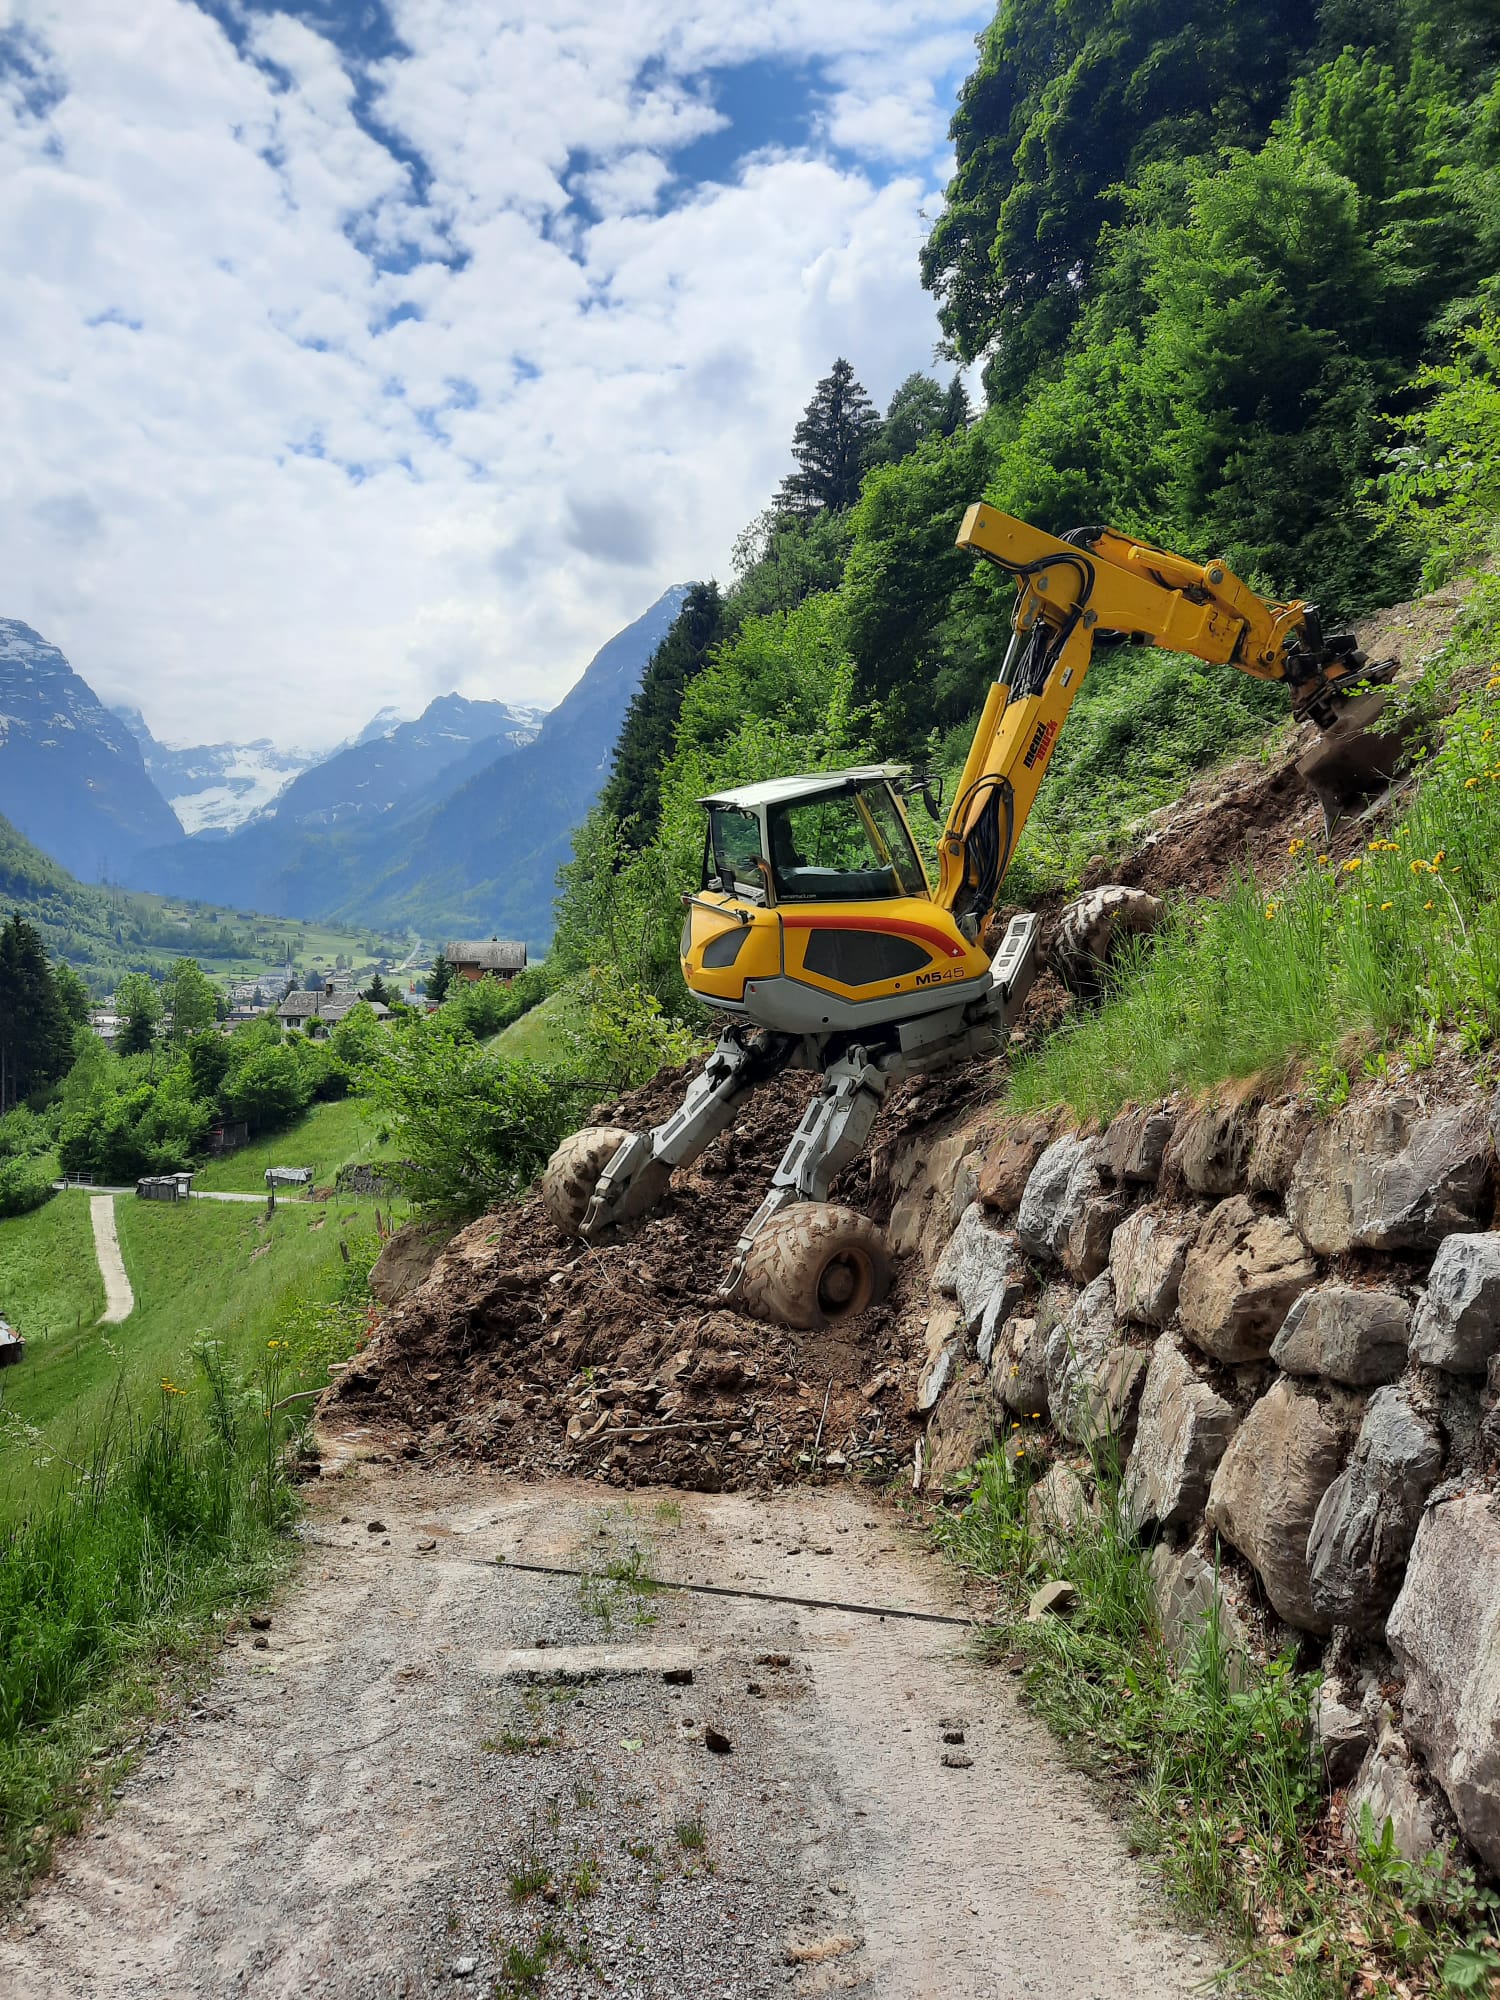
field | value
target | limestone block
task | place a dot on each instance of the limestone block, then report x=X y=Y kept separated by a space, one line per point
x=1093 y=1380
x=1445 y=1633
x=1381 y=1177
x=1181 y=1431
x=1211 y=1149
x=1135 y=1144
x=979 y=1264
x=1239 y=1280
x=1458 y=1322
x=1018 y=1366
x=1183 y=1585
x=1265 y=1494
x=1064 y=1179
x=1280 y=1134
x=1007 y=1165
x=1345 y=1335
x=1146 y=1258
x=1363 y=1529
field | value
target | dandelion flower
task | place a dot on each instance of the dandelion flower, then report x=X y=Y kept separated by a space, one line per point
x=1427 y=906
x=1385 y=906
x=1355 y=861
x=172 y=1388
x=1295 y=846
x=1322 y=860
x=1470 y=783
x=1271 y=909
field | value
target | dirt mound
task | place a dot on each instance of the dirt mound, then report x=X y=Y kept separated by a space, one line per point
x=530 y=1351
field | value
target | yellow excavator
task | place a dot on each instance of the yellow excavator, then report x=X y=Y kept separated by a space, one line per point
x=816 y=929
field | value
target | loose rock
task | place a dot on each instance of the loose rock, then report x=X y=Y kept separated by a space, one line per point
x=1057 y=1599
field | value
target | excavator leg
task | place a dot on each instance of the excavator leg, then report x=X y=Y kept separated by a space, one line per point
x=803 y=1260
x=604 y=1175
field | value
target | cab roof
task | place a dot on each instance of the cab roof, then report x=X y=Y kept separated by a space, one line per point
x=776 y=791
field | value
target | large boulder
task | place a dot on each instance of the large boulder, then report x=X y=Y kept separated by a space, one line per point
x=1147 y=1255
x=1181 y=1431
x=981 y=1265
x=1060 y=1186
x=1211 y=1149
x=1458 y=1322
x=1445 y=1633
x=1265 y=1494
x=1363 y=1529
x=1345 y=1335
x=1381 y=1177
x=1136 y=1143
x=1093 y=1379
x=1239 y=1280
x=1007 y=1164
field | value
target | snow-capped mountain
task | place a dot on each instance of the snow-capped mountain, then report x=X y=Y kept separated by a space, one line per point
x=72 y=777
x=215 y=787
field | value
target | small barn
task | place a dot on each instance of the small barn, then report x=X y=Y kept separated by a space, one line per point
x=485 y=958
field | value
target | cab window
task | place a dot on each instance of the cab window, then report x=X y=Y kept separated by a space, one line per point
x=848 y=846
x=734 y=851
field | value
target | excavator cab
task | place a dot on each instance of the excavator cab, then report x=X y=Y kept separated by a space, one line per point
x=814 y=912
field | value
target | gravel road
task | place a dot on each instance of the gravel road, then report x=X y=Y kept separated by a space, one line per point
x=119 y=1299
x=437 y=1775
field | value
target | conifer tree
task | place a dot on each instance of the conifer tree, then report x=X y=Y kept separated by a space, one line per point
x=36 y=1031
x=832 y=445
x=632 y=792
x=439 y=979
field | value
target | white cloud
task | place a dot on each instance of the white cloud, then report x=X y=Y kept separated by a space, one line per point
x=301 y=421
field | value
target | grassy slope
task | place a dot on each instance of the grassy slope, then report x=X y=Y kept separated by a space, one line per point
x=198 y=1269
x=328 y=1138
x=539 y=1035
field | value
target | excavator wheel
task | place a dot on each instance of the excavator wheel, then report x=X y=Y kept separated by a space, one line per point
x=573 y=1173
x=815 y=1264
x=1092 y=927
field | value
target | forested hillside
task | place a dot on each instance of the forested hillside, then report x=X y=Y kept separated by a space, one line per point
x=1231 y=278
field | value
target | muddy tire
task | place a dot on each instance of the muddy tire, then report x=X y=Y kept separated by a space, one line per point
x=573 y=1173
x=815 y=1264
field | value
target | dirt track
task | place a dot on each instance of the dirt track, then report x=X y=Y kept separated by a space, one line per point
x=350 y=1810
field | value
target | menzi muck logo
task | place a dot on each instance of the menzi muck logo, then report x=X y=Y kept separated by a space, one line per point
x=1041 y=743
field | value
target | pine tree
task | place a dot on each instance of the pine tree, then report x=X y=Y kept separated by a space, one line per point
x=377 y=992
x=956 y=415
x=916 y=412
x=439 y=979
x=36 y=1031
x=632 y=791
x=832 y=445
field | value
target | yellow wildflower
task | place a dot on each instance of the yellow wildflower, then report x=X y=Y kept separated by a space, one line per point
x=1470 y=783
x=1322 y=860
x=1295 y=846
x=1271 y=909
x=1355 y=861
x=1427 y=906
x=172 y=1388
x=1385 y=906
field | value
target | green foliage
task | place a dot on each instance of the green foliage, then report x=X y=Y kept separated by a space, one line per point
x=473 y=1128
x=439 y=979
x=138 y=1004
x=24 y=1185
x=1443 y=490
x=189 y=1001
x=1399 y=944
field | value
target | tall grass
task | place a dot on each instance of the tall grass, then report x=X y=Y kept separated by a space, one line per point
x=175 y=1511
x=1219 y=1755
x=1394 y=947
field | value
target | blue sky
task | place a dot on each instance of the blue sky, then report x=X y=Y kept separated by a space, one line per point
x=356 y=350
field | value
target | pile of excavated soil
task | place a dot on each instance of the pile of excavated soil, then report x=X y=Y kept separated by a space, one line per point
x=529 y=1351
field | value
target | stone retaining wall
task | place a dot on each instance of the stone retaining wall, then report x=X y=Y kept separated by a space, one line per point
x=1290 y=1328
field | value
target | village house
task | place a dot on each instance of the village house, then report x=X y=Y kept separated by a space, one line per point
x=315 y=1013
x=480 y=958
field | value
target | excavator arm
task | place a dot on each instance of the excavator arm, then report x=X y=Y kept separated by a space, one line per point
x=1097 y=587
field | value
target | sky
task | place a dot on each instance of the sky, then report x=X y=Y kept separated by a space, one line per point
x=356 y=351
